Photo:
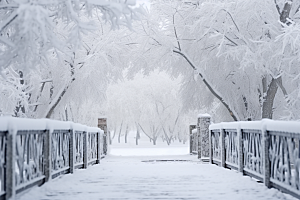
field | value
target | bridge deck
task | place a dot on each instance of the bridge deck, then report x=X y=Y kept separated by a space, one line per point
x=130 y=178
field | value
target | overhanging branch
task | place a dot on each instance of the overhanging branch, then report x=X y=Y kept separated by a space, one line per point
x=208 y=86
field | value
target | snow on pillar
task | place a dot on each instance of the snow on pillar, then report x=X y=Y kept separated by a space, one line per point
x=203 y=126
x=102 y=124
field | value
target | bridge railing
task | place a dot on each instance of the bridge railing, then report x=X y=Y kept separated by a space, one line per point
x=193 y=140
x=266 y=150
x=34 y=151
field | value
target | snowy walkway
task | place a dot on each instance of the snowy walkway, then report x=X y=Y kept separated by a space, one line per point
x=130 y=178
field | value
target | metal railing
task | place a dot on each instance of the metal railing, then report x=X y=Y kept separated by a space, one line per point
x=266 y=150
x=35 y=151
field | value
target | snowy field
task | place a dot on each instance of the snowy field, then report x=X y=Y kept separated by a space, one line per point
x=153 y=172
x=146 y=148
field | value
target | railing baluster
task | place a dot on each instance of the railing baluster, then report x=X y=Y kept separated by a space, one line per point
x=240 y=153
x=98 y=148
x=72 y=151
x=199 y=137
x=10 y=185
x=223 y=156
x=47 y=155
x=85 y=149
x=266 y=139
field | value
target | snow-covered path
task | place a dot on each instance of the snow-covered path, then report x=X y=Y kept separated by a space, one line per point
x=131 y=178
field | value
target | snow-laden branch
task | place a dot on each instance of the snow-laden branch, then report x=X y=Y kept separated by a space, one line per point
x=209 y=86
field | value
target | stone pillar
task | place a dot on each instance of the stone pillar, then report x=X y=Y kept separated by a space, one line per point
x=102 y=124
x=192 y=138
x=204 y=122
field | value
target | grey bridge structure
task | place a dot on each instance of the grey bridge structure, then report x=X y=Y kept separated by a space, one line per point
x=32 y=152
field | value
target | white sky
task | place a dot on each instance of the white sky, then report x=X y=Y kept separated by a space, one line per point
x=146 y=2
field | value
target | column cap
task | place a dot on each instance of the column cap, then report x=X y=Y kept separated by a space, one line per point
x=204 y=115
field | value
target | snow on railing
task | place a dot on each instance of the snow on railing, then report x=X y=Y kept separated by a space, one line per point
x=33 y=151
x=266 y=150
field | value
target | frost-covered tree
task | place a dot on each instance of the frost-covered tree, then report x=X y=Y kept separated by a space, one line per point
x=146 y=104
x=242 y=56
x=49 y=42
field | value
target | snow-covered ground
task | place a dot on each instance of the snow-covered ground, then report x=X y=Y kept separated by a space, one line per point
x=146 y=148
x=128 y=175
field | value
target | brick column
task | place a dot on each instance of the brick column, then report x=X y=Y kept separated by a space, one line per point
x=102 y=124
x=204 y=122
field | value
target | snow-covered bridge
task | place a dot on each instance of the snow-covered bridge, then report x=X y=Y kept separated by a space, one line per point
x=34 y=152
x=142 y=178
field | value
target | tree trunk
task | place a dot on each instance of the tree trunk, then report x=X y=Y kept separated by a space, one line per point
x=145 y=133
x=137 y=137
x=154 y=141
x=268 y=97
x=119 y=137
x=112 y=137
x=126 y=134
x=66 y=113
x=19 y=106
x=63 y=92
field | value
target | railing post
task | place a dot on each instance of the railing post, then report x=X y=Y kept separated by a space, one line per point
x=199 y=137
x=102 y=124
x=267 y=170
x=72 y=151
x=222 y=132
x=10 y=165
x=210 y=148
x=85 y=149
x=192 y=127
x=204 y=121
x=240 y=153
x=47 y=155
x=98 y=148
